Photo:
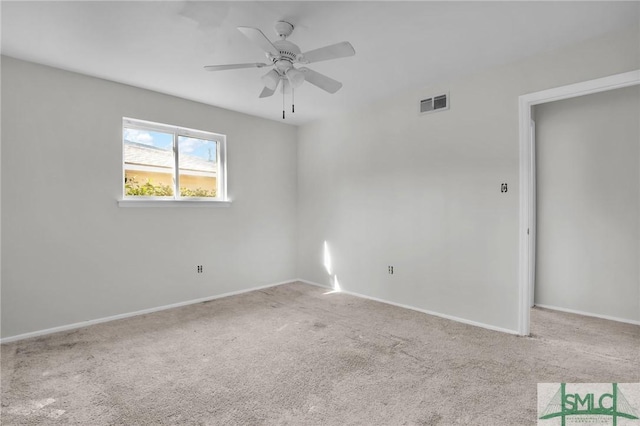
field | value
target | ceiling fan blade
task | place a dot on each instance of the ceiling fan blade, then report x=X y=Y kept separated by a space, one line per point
x=338 y=50
x=266 y=92
x=233 y=66
x=320 y=80
x=256 y=36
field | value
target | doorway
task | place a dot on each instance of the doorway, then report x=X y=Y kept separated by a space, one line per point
x=528 y=179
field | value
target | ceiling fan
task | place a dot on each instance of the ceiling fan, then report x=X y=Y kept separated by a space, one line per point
x=282 y=55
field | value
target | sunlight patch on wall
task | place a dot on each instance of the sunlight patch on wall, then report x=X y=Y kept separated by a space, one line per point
x=327 y=266
x=327 y=258
x=336 y=284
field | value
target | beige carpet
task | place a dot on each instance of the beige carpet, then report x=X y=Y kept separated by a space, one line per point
x=293 y=355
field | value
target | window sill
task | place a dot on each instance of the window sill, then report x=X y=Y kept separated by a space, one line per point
x=173 y=203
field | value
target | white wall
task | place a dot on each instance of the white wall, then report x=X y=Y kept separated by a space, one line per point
x=588 y=204
x=385 y=186
x=69 y=253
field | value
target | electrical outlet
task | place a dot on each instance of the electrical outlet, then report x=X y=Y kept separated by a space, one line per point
x=390 y=269
x=200 y=269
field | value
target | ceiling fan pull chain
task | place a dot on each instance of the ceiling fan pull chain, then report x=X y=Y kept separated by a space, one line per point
x=283 y=100
x=293 y=102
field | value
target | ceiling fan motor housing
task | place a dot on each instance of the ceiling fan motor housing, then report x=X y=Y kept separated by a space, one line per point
x=288 y=54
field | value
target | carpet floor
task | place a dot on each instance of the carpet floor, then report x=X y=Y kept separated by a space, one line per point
x=298 y=355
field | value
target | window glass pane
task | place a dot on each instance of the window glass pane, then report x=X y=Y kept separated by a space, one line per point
x=148 y=163
x=198 y=167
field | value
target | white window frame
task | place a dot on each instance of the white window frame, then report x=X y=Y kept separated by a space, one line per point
x=220 y=200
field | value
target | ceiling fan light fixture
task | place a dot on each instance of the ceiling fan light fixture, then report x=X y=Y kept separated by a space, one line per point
x=295 y=77
x=271 y=79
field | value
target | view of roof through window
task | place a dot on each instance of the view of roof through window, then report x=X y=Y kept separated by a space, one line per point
x=149 y=163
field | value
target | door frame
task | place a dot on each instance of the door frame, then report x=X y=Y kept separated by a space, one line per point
x=527 y=177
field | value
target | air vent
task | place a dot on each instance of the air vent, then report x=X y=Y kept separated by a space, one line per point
x=434 y=103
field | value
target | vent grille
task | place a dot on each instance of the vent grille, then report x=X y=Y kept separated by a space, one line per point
x=426 y=105
x=434 y=103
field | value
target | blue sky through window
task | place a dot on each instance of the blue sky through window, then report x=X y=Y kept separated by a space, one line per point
x=197 y=147
x=201 y=148
x=147 y=137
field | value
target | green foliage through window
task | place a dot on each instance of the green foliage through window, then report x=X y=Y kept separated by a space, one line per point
x=198 y=192
x=149 y=189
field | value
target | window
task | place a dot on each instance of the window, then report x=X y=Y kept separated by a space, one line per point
x=170 y=163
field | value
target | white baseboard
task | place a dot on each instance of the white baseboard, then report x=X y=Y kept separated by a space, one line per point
x=132 y=314
x=314 y=284
x=424 y=311
x=588 y=314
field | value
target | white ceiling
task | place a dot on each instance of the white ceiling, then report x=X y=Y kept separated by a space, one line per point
x=163 y=46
